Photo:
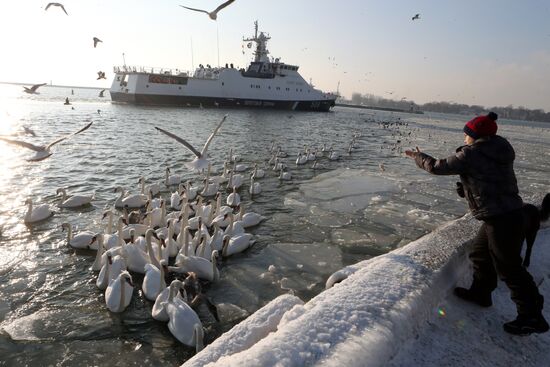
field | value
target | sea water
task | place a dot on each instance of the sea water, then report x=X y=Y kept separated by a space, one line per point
x=371 y=200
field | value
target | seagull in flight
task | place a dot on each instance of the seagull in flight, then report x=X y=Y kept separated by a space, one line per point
x=42 y=151
x=57 y=4
x=213 y=14
x=416 y=16
x=32 y=90
x=201 y=160
x=96 y=41
x=101 y=75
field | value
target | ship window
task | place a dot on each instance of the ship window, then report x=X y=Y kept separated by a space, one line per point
x=287 y=89
x=269 y=87
x=278 y=88
x=147 y=86
x=223 y=84
x=296 y=89
x=167 y=79
x=251 y=85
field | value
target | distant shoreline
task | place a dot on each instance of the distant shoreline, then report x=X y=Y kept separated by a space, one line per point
x=378 y=108
x=57 y=86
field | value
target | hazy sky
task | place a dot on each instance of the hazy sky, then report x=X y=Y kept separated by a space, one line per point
x=494 y=52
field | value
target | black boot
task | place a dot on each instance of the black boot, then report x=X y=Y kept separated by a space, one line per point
x=482 y=299
x=526 y=324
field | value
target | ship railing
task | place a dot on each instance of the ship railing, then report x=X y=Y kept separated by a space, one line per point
x=128 y=69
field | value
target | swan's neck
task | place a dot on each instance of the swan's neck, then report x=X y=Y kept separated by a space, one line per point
x=162 y=281
x=110 y=223
x=198 y=335
x=69 y=233
x=28 y=216
x=63 y=195
x=143 y=187
x=97 y=262
x=151 y=252
x=122 y=293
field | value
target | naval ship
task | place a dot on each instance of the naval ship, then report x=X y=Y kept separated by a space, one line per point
x=265 y=83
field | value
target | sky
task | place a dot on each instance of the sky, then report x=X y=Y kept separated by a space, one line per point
x=491 y=52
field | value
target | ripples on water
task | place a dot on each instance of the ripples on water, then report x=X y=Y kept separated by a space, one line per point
x=51 y=312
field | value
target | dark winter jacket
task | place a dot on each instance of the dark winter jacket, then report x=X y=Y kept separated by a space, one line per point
x=486 y=172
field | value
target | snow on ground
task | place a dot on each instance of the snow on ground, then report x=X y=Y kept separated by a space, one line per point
x=461 y=334
x=393 y=310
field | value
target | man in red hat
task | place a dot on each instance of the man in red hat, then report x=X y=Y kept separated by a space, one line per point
x=488 y=182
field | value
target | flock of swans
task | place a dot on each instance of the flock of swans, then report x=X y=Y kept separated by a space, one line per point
x=179 y=236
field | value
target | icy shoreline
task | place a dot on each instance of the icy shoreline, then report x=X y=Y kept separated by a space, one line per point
x=368 y=314
x=389 y=310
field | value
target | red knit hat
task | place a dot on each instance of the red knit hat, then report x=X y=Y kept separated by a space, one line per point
x=482 y=126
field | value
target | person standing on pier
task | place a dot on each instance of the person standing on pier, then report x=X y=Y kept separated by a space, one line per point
x=488 y=182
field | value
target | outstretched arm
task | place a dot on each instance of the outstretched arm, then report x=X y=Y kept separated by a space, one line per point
x=452 y=165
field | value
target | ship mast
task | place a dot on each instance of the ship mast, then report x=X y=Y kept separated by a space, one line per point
x=261 y=52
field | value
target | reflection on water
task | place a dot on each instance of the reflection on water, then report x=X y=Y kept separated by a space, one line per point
x=341 y=212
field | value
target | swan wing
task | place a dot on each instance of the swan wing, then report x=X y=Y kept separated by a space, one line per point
x=68 y=136
x=205 y=148
x=227 y=3
x=36 y=148
x=180 y=140
x=200 y=10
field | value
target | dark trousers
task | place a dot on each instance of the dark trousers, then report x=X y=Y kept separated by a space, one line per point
x=497 y=251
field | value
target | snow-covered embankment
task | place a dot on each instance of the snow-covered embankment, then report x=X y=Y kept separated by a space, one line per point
x=360 y=321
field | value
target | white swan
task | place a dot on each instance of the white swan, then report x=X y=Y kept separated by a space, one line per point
x=153 y=282
x=234 y=228
x=38 y=213
x=176 y=200
x=171 y=180
x=74 y=201
x=184 y=323
x=233 y=199
x=302 y=159
x=205 y=269
x=113 y=267
x=236 y=244
x=250 y=219
x=255 y=187
x=42 y=151
x=159 y=310
x=132 y=201
x=210 y=189
x=83 y=240
x=235 y=180
x=136 y=259
x=258 y=172
x=119 y=292
x=333 y=156
x=154 y=188
x=201 y=160
x=285 y=176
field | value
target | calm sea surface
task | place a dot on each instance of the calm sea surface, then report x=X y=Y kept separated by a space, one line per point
x=344 y=211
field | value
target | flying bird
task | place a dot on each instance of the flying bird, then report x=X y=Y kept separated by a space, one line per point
x=96 y=41
x=57 y=4
x=101 y=75
x=201 y=160
x=416 y=16
x=101 y=93
x=42 y=151
x=213 y=14
x=32 y=90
